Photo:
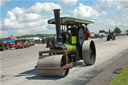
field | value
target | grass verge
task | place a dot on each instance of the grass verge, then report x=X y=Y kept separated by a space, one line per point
x=122 y=78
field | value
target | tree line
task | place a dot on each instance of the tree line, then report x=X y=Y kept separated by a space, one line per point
x=36 y=35
x=116 y=30
x=32 y=35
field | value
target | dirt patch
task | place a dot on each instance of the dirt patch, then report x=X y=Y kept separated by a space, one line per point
x=110 y=71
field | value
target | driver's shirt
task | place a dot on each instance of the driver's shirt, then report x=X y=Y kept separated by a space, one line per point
x=88 y=33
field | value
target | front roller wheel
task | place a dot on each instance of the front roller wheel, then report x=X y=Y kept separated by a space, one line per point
x=89 y=52
x=52 y=61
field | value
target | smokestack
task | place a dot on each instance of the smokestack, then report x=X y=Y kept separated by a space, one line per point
x=57 y=22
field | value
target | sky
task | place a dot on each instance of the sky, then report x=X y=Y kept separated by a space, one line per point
x=20 y=17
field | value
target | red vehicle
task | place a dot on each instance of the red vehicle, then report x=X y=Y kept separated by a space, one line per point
x=17 y=46
x=23 y=43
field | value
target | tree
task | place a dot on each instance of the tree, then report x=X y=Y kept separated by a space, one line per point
x=102 y=31
x=117 y=30
x=127 y=31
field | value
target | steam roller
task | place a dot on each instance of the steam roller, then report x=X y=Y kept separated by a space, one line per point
x=70 y=45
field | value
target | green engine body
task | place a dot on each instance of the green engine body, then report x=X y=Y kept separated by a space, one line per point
x=71 y=44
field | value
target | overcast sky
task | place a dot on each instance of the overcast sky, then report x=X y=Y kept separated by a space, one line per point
x=19 y=17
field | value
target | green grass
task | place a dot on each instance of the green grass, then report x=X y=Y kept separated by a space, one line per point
x=122 y=78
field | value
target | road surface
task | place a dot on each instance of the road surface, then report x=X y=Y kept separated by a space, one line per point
x=17 y=66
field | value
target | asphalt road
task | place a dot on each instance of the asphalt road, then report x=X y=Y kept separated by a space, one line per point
x=17 y=66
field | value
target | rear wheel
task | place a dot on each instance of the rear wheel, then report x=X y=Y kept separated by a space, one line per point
x=81 y=36
x=89 y=52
